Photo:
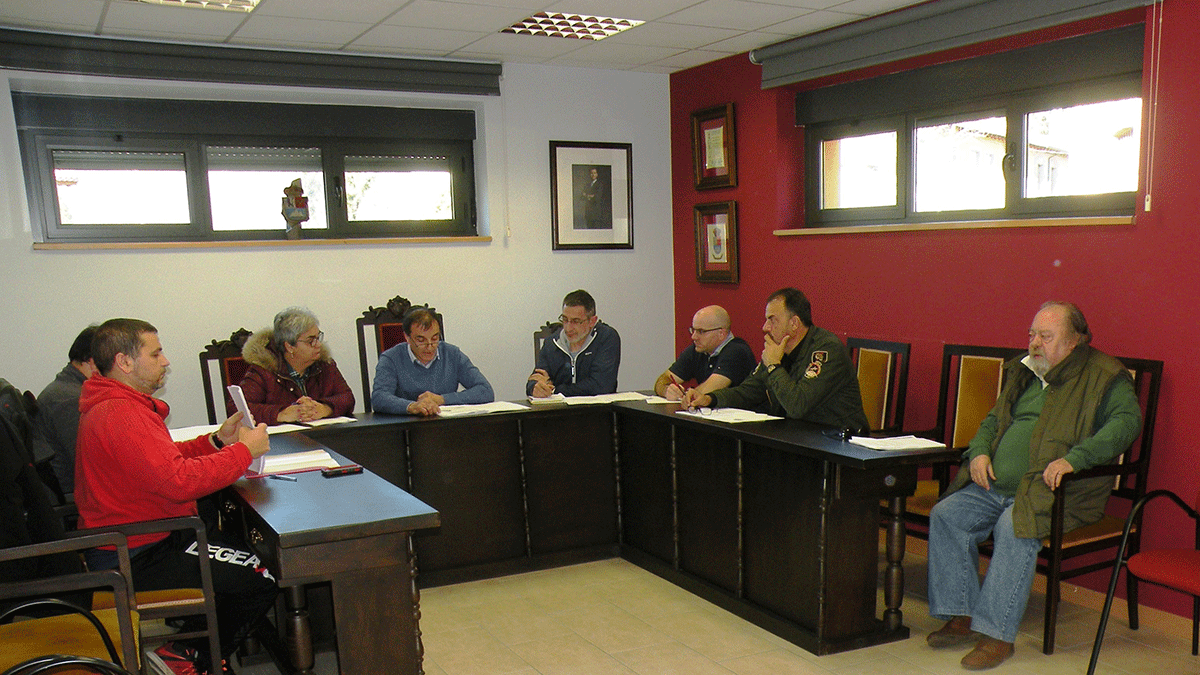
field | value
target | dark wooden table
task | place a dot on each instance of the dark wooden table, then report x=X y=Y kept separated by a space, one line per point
x=775 y=521
x=355 y=533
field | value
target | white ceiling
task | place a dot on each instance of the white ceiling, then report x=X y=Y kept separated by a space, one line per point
x=678 y=34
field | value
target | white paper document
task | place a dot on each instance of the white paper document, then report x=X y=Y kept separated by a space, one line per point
x=659 y=400
x=605 y=398
x=330 y=420
x=728 y=415
x=239 y=400
x=543 y=400
x=479 y=408
x=896 y=443
x=292 y=461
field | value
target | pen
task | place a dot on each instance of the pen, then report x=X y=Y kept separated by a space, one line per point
x=277 y=476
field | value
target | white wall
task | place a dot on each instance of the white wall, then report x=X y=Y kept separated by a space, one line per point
x=493 y=295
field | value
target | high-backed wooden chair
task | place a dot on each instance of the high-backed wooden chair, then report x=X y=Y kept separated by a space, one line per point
x=1129 y=484
x=882 y=369
x=970 y=383
x=541 y=335
x=226 y=357
x=386 y=325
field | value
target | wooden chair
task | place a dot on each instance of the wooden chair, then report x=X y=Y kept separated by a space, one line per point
x=79 y=632
x=1174 y=568
x=1130 y=476
x=882 y=368
x=386 y=324
x=176 y=602
x=970 y=383
x=231 y=368
x=541 y=335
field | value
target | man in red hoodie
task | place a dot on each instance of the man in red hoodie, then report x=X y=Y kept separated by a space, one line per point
x=129 y=470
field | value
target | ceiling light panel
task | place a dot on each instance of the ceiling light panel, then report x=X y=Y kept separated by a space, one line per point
x=576 y=26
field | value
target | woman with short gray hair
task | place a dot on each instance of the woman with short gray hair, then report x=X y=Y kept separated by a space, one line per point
x=292 y=375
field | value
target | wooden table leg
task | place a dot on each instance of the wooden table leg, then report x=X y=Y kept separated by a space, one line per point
x=893 y=577
x=299 y=631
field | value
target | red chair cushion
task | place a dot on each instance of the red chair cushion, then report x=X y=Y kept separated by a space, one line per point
x=1175 y=568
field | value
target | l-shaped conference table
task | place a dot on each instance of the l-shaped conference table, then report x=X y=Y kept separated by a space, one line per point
x=777 y=522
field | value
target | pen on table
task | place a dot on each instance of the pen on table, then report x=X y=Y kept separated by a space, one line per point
x=276 y=476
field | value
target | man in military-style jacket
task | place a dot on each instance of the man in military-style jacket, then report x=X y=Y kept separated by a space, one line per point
x=805 y=372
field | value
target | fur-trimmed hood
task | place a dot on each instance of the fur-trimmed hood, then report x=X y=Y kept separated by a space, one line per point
x=257 y=351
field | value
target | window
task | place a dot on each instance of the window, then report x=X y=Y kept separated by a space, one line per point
x=1046 y=131
x=213 y=171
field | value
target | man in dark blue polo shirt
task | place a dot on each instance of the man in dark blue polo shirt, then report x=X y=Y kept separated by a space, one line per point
x=716 y=358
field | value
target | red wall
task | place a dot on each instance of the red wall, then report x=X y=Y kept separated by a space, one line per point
x=1137 y=284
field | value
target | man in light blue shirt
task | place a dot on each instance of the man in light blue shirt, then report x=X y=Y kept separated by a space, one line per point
x=420 y=375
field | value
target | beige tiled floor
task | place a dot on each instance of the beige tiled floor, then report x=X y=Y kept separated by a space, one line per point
x=611 y=617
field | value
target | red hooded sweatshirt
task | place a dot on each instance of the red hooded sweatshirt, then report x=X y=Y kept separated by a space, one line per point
x=127 y=468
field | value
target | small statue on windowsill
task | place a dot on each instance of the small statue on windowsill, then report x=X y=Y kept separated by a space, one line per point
x=295 y=208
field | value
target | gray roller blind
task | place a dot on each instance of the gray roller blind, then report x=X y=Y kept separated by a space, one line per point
x=85 y=55
x=922 y=29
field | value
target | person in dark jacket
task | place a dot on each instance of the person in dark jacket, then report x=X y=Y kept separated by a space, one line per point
x=582 y=358
x=57 y=418
x=292 y=375
x=805 y=372
x=1065 y=407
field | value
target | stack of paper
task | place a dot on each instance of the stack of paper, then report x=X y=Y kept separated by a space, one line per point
x=605 y=398
x=480 y=408
x=728 y=415
x=896 y=443
x=292 y=462
x=330 y=420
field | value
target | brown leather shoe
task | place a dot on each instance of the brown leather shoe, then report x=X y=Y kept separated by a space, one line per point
x=957 y=631
x=989 y=653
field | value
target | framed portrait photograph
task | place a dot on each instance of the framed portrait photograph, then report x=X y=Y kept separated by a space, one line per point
x=714 y=147
x=716 y=242
x=591 y=195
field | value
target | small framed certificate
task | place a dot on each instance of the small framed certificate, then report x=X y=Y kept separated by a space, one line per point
x=714 y=147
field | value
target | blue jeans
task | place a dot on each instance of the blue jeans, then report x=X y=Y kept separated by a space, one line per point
x=957 y=525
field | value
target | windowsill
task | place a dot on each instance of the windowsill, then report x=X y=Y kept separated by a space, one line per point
x=68 y=246
x=958 y=225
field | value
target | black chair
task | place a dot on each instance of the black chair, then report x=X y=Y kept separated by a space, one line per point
x=882 y=369
x=386 y=324
x=226 y=355
x=1175 y=568
x=1129 y=483
x=541 y=335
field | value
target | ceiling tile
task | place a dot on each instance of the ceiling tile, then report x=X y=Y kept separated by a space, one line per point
x=621 y=9
x=503 y=44
x=673 y=35
x=402 y=37
x=289 y=30
x=81 y=16
x=453 y=15
x=811 y=23
x=732 y=14
x=744 y=42
x=136 y=18
x=325 y=10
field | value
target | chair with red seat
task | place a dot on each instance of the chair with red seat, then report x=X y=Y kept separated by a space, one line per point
x=1174 y=568
x=231 y=368
x=387 y=325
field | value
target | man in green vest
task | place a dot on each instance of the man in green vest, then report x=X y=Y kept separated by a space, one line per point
x=1064 y=407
